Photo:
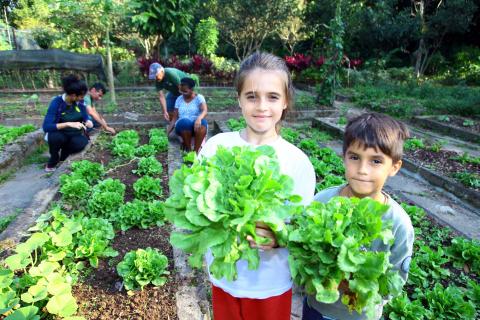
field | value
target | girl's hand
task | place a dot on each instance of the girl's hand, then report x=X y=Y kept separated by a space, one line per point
x=264 y=231
x=198 y=124
x=76 y=125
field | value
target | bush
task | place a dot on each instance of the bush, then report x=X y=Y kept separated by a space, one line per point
x=206 y=36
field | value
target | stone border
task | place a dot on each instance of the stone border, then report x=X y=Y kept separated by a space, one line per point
x=430 y=123
x=431 y=176
x=17 y=230
x=16 y=152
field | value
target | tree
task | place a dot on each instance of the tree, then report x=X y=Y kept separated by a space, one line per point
x=206 y=36
x=158 y=20
x=245 y=24
x=294 y=30
x=438 y=18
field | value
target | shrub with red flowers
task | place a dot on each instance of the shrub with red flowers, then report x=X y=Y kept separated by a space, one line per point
x=298 y=62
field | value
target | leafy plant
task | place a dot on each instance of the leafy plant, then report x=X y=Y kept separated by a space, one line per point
x=436 y=146
x=330 y=181
x=401 y=308
x=468 y=123
x=139 y=214
x=8 y=135
x=413 y=144
x=448 y=303
x=466 y=158
x=432 y=263
x=469 y=179
x=142 y=267
x=148 y=188
x=148 y=167
x=236 y=124
x=290 y=135
x=327 y=246
x=443 y=118
x=219 y=200
x=342 y=121
x=158 y=139
x=465 y=254
x=124 y=144
x=146 y=150
x=107 y=197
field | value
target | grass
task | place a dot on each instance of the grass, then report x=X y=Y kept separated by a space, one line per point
x=37 y=157
x=5 y=221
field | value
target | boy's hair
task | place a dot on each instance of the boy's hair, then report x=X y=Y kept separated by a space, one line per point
x=376 y=130
x=187 y=81
x=99 y=86
x=73 y=85
x=266 y=61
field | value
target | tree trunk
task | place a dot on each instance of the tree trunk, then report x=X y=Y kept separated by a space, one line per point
x=111 y=83
x=421 y=56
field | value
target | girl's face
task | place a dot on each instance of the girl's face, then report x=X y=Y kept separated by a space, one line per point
x=262 y=100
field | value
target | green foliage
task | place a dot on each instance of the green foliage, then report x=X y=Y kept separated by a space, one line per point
x=327 y=246
x=443 y=118
x=448 y=303
x=466 y=158
x=107 y=197
x=158 y=139
x=146 y=150
x=206 y=36
x=142 y=267
x=148 y=188
x=219 y=200
x=9 y=134
x=124 y=144
x=342 y=121
x=139 y=214
x=77 y=186
x=327 y=89
x=436 y=146
x=6 y=220
x=236 y=124
x=469 y=179
x=413 y=144
x=401 y=308
x=290 y=135
x=428 y=266
x=468 y=123
x=465 y=254
x=167 y=19
x=148 y=167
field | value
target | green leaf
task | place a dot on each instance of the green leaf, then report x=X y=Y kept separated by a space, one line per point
x=63 y=305
x=25 y=313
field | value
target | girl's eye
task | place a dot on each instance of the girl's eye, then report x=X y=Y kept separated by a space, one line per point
x=273 y=97
x=250 y=97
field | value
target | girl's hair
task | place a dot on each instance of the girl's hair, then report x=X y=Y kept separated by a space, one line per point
x=270 y=62
x=73 y=85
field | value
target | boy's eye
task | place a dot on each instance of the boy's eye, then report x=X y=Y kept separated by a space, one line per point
x=353 y=157
x=376 y=161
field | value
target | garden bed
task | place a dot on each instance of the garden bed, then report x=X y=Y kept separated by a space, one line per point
x=454 y=126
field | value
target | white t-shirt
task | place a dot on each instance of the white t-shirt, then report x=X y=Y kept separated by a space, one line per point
x=272 y=278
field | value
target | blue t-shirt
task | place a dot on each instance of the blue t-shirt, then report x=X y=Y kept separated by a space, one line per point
x=189 y=110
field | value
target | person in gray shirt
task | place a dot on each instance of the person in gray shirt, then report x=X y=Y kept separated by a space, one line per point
x=372 y=152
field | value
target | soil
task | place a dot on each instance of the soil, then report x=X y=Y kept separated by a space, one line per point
x=100 y=294
x=456 y=121
x=441 y=161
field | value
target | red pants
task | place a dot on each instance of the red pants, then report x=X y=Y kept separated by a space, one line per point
x=227 y=307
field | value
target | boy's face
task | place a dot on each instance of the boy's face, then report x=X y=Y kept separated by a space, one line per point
x=367 y=170
x=96 y=94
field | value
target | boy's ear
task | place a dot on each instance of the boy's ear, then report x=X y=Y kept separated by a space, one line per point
x=395 y=168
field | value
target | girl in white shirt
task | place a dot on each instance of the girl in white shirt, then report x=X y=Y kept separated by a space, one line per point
x=265 y=94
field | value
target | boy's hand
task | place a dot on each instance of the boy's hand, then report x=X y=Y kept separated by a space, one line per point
x=262 y=230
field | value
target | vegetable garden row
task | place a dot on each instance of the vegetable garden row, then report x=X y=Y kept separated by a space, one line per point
x=103 y=249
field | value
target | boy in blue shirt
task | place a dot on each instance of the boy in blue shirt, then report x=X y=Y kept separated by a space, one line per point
x=372 y=152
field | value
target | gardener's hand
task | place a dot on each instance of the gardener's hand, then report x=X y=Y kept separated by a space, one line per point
x=166 y=115
x=76 y=125
x=110 y=130
x=262 y=230
x=198 y=124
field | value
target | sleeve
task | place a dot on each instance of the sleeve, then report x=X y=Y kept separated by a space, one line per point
x=178 y=102
x=49 y=122
x=306 y=186
x=84 y=112
x=201 y=99
x=402 y=248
